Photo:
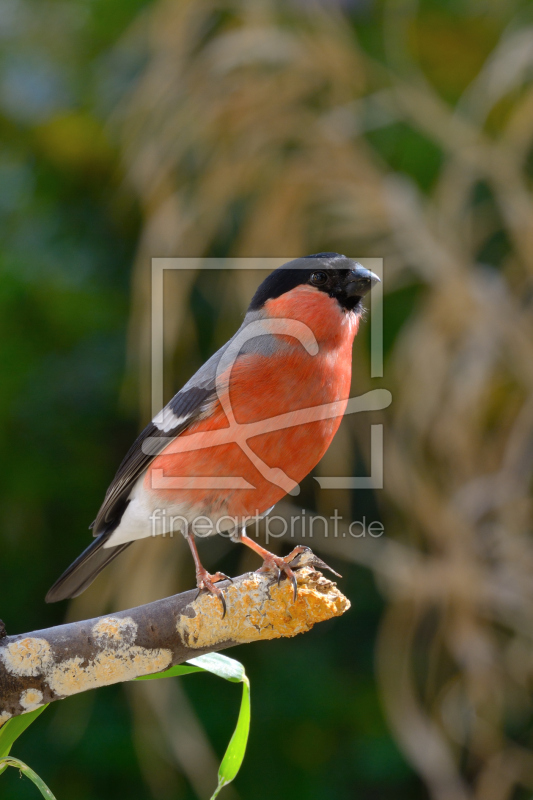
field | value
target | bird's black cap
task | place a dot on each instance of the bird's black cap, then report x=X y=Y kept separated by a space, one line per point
x=333 y=273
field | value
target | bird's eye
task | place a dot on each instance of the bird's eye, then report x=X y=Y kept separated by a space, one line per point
x=318 y=278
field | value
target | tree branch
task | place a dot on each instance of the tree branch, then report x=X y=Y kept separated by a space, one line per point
x=51 y=664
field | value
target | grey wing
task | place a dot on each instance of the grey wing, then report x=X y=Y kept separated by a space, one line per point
x=184 y=408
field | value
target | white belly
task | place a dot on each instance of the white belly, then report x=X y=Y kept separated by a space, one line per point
x=142 y=519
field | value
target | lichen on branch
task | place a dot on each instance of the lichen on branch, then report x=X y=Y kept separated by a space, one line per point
x=51 y=664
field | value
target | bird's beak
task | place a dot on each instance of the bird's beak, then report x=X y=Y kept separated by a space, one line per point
x=360 y=281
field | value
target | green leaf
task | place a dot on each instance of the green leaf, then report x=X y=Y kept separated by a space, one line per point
x=11 y=730
x=173 y=672
x=224 y=667
x=234 y=755
x=9 y=761
x=230 y=670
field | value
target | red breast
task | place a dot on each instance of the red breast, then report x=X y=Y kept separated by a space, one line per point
x=262 y=387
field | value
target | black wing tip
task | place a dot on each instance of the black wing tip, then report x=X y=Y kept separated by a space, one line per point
x=84 y=570
x=54 y=595
x=65 y=588
x=59 y=591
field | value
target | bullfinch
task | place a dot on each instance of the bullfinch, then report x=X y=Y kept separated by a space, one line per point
x=245 y=429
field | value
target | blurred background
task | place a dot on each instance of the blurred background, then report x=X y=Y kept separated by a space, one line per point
x=379 y=128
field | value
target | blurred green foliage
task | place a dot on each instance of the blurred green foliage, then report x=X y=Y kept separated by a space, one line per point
x=68 y=239
x=70 y=229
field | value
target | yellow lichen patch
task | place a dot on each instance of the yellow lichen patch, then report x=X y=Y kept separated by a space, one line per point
x=110 y=666
x=4 y=716
x=110 y=631
x=29 y=656
x=31 y=699
x=256 y=611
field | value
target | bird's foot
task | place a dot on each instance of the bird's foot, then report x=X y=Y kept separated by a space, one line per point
x=302 y=555
x=206 y=582
x=281 y=567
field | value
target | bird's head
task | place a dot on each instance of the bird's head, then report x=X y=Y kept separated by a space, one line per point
x=336 y=275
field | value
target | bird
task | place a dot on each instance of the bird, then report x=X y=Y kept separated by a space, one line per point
x=245 y=429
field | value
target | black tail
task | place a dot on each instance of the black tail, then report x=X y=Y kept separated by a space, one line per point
x=84 y=570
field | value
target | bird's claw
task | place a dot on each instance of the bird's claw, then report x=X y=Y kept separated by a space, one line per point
x=282 y=567
x=301 y=556
x=206 y=582
x=292 y=577
x=221 y=576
